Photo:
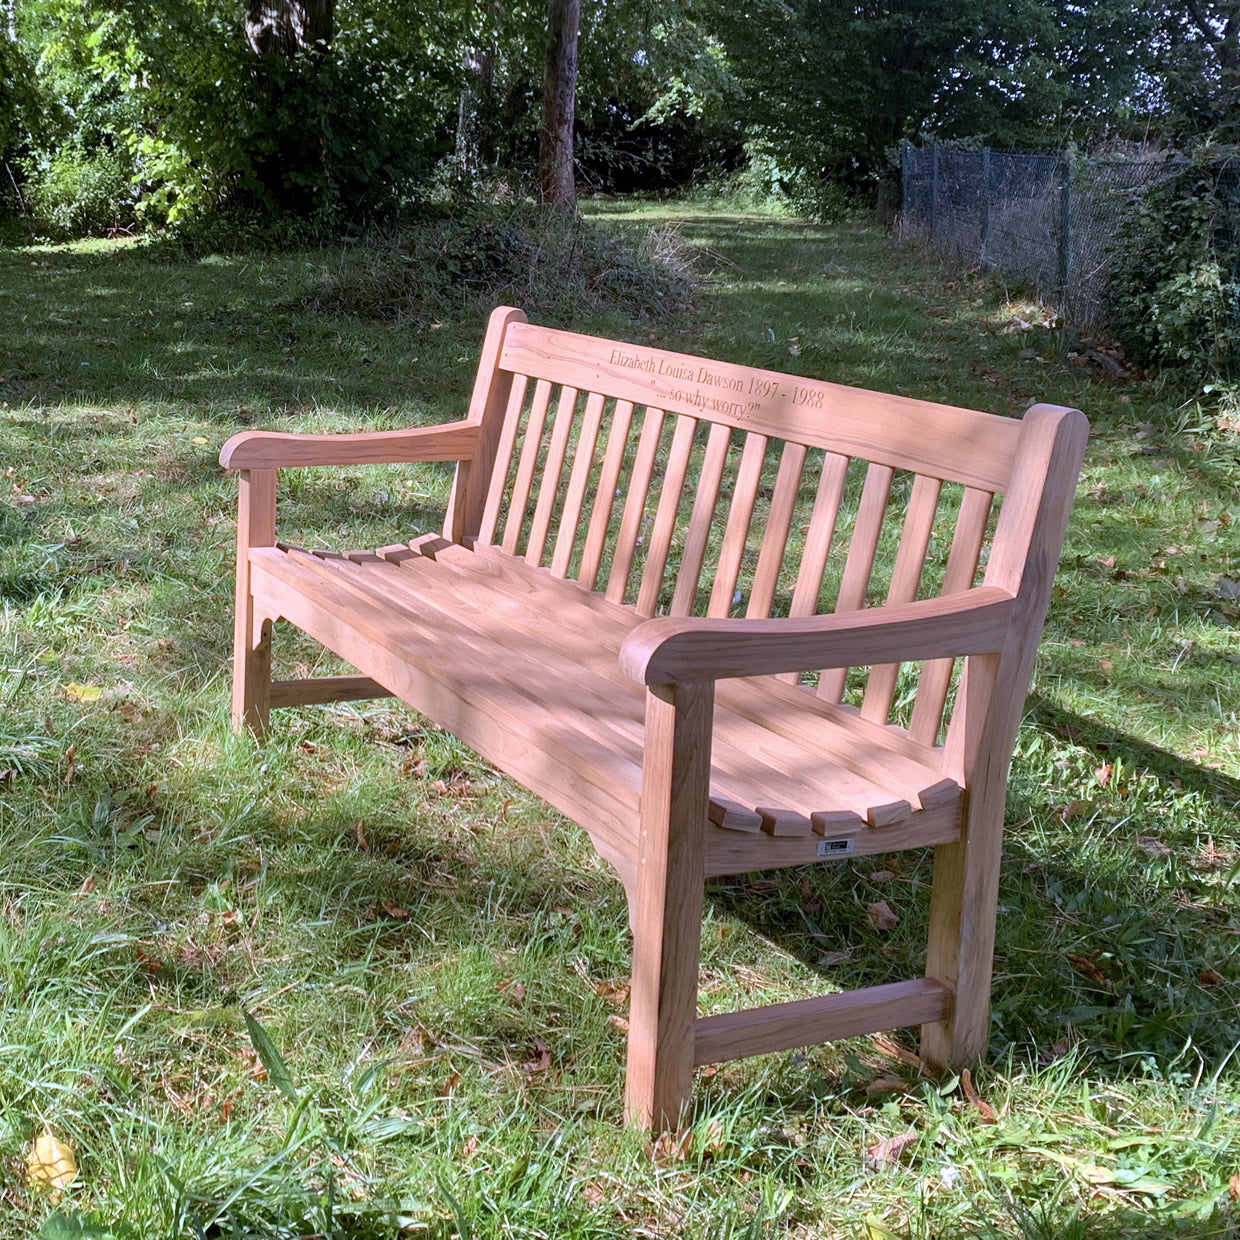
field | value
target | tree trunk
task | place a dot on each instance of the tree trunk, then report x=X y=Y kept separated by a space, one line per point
x=556 y=183
x=286 y=27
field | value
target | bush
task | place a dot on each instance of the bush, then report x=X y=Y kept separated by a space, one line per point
x=1173 y=296
x=551 y=262
x=82 y=193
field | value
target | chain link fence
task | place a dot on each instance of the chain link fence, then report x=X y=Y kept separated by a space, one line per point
x=1038 y=218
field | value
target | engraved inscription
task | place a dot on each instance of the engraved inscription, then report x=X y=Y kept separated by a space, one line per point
x=715 y=391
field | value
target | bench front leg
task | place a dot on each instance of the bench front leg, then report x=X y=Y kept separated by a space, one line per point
x=256 y=527
x=667 y=897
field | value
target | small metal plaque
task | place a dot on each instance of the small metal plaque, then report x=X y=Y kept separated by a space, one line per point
x=835 y=848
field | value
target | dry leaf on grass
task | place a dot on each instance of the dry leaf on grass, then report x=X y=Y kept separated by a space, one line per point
x=887 y=1152
x=51 y=1165
x=670 y=1148
x=542 y=1057
x=984 y=1109
x=881 y=916
x=394 y=910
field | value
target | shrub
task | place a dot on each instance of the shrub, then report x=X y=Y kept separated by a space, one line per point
x=549 y=261
x=82 y=192
x=1173 y=296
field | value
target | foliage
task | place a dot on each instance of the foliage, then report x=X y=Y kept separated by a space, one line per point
x=525 y=257
x=1173 y=297
x=80 y=193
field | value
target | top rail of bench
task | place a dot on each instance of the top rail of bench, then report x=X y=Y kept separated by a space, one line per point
x=960 y=445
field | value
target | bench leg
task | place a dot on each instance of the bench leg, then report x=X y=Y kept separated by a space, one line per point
x=965 y=892
x=256 y=526
x=666 y=900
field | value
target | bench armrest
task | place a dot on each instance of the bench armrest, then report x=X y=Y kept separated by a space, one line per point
x=670 y=650
x=454 y=441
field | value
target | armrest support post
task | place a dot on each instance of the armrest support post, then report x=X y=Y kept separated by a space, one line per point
x=256 y=527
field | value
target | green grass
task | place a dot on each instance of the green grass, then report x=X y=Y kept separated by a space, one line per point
x=435 y=958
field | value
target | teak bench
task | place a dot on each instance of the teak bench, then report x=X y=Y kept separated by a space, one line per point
x=619 y=615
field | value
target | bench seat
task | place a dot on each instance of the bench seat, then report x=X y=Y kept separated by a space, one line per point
x=524 y=667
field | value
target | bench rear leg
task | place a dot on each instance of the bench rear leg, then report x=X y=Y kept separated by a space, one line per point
x=256 y=527
x=666 y=904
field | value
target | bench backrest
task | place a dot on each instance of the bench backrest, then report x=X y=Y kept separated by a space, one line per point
x=683 y=486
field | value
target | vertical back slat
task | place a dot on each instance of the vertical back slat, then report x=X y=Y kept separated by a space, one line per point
x=578 y=481
x=860 y=562
x=819 y=535
x=736 y=532
x=634 y=505
x=905 y=579
x=700 y=519
x=778 y=523
x=553 y=467
x=503 y=458
x=961 y=569
x=605 y=496
x=665 y=515
x=530 y=447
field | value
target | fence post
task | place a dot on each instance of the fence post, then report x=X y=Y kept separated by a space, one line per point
x=934 y=188
x=985 y=202
x=905 y=173
x=1065 y=227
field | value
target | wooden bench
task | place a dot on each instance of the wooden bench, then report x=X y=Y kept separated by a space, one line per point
x=658 y=588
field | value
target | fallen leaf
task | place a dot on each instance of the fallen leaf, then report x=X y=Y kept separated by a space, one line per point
x=619 y=1022
x=874 y=1229
x=984 y=1109
x=515 y=989
x=1210 y=977
x=394 y=910
x=881 y=876
x=1228 y=587
x=887 y=1085
x=881 y=916
x=467 y=1150
x=362 y=842
x=612 y=992
x=83 y=693
x=1089 y=970
x=887 y=1152
x=542 y=1057
x=226 y=1110
x=200 y=440
x=8 y=776
x=671 y=1147
x=1103 y=773
x=88 y=885
x=593 y=1192
x=1233 y=1188
x=51 y=1165
x=451 y=1082
x=887 y=1045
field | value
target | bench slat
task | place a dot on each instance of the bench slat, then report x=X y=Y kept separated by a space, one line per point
x=905 y=580
x=503 y=456
x=549 y=483
x=860 y=562
x=701 y=518
x=736 y=531
x=959 y=575
x=579 y=480
x=670 y=496
x=778 y=524
x=634 y=505
x=531 y=445
x=605 y=496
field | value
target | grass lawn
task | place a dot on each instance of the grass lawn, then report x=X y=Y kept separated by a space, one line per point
x=354 y=984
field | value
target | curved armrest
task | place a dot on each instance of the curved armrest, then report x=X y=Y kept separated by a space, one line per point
x=669 y=650
x=453 y=441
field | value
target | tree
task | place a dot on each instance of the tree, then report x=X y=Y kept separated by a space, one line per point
x=556 y=181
